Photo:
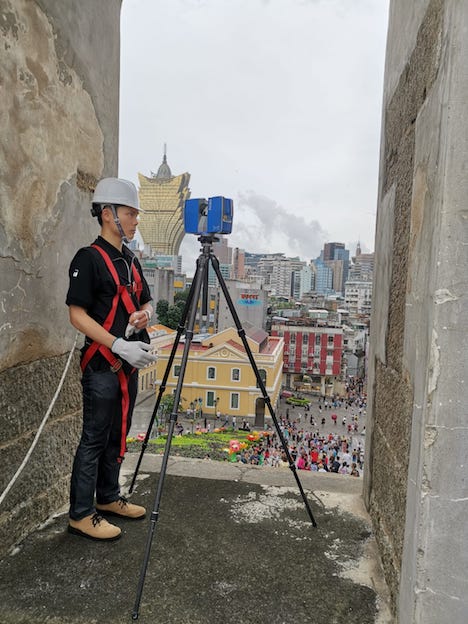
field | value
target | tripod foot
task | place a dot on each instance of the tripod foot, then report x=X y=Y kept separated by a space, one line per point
x=135 y=615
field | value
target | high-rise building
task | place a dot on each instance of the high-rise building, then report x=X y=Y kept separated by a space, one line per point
x=323 y=277
x=358 y=296
x=162 y=198
x=251 y=262
x=303 y=281
x=277 y=270
x=222 y=250
x=160 y=283
x=335 y=256
x=362 y=267
x=238 y=263
x=329 y=250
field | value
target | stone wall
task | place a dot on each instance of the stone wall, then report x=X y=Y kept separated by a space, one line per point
x=59 y=80
x=416 y=436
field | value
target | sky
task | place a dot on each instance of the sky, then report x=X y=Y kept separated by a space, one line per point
x=273 y=103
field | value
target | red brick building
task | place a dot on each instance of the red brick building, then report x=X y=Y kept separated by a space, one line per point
x=315 y=352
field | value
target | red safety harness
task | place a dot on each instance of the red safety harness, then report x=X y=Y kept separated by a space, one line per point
x=122 y=293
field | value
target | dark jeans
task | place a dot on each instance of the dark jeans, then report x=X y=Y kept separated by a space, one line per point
x=96 y=467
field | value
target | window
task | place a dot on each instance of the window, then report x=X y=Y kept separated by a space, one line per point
x=210 y=398
x=176 y=370
x=293 y=339
x=211 y=374
x=263 y=376
x=305 y=339
x=330 y=340
x=234 y=400
x=235 y=374
x=318 y=339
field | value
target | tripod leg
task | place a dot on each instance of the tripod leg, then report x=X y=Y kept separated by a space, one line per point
x=162 y=387
x=261 y=385
x=204 y=303
x=202 y=266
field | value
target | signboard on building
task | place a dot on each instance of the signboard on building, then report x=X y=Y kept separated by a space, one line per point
x=249 y=299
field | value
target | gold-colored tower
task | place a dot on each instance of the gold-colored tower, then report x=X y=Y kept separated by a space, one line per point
x=162 y=197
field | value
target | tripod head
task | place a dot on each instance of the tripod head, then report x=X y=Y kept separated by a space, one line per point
x=207 y=241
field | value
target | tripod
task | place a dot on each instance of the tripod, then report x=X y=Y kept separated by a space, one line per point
x=188 y=322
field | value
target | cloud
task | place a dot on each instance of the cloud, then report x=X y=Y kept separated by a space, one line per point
x=262 y=224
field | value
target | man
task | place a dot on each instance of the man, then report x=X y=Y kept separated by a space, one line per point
x=109 y=302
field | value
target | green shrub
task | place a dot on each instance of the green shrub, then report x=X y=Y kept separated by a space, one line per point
x=194 y=445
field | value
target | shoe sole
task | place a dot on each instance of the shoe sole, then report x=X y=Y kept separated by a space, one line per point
x=74 y=531
x=104 y=512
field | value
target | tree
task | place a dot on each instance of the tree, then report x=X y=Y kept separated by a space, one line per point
x=170 y=315
x=167 y=403
x=162 y=308
x=181 y=296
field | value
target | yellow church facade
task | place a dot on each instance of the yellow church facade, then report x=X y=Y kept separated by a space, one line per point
x=219 y=377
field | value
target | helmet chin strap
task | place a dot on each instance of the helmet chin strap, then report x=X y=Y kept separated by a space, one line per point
x=119 y=226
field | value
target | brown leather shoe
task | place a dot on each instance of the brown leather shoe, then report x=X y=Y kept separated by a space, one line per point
x=94 y=527
x=123 y=509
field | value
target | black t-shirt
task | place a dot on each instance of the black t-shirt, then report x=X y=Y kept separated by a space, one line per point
x=93 y=288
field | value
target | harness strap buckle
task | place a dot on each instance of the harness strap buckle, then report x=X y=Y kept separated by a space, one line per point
x=116 y=366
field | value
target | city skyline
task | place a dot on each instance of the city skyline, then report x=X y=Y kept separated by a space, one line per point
x=191 y=269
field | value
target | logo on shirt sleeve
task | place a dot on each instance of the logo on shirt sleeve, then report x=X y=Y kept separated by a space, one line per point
x=75 y=273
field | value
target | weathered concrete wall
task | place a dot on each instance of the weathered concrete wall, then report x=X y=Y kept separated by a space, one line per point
x=59 y=78
x=417 y=437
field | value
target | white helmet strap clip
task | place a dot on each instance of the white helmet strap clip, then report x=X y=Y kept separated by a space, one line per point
x=118 y=224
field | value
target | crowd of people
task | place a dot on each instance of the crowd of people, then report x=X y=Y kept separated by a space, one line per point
x=341 y=450
x=309 y=450
x=317 y=438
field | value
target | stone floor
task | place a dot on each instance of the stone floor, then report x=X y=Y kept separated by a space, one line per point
x=232 y=544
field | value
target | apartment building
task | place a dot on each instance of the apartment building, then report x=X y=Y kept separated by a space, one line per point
x=312 y=352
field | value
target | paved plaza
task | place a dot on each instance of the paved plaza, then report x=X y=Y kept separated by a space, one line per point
x=146 y=401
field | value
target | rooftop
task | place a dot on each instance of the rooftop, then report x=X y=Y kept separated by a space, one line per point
x=233 y=544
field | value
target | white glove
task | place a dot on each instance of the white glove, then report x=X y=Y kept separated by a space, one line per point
x=130 y=330
x=131 y=327
x=135 y=353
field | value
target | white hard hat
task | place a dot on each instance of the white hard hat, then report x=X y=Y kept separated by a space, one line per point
x=116 y=191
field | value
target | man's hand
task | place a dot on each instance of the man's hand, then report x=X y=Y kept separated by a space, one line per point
x=135 y=353
x=137 y=321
